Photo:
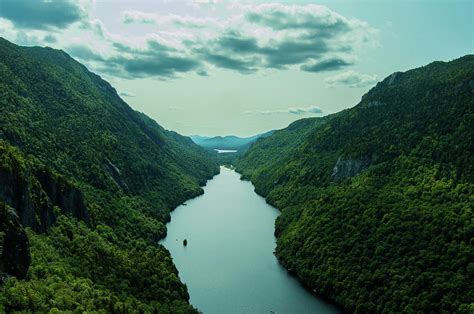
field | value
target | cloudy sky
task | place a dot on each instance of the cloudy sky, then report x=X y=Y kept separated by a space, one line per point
x=227 y=67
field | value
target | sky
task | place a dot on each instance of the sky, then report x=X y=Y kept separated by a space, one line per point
x=242 y=68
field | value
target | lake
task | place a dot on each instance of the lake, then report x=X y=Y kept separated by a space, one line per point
x=228 y=264
x=225 y=151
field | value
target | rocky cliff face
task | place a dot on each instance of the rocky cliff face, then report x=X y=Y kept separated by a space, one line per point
x=30 y=196
x=38 y=196
x=349 y=167
x=14 y=249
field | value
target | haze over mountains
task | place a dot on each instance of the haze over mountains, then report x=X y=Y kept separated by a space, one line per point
x=229 y=142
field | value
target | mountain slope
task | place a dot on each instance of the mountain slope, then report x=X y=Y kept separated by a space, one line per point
x=229 y=142
x=102 y=180
x=376 y=200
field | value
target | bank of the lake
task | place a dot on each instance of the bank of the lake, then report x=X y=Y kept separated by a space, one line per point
x=228 y=264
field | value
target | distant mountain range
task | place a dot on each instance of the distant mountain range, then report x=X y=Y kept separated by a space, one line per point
x=229 y=142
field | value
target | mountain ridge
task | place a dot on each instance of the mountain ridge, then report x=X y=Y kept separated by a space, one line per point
x=228 y=142
x=63 y=128
x=371 y=196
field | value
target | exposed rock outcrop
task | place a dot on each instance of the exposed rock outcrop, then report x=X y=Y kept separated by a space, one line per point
x=374 y=103
x=349 y=167
x=30 y=196
x=37 y=194
x=393 y=79
x=116 y=176
x=14 y=247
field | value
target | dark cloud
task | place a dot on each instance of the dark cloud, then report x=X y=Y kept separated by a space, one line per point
x=41 y=14
x=50 y=39
x=320 y=34
x=230 y=51
x=326 y=65
x=156 y=60
x=124 y=48
x=290 y=52
x=223 y=61
x=202 y=73
x=325 y=23
x=235 y=42
x=154 y=48
x=84 y=53
x=244 y=54
x=163 y=66
x=310 y=38
x=22 y=38
x=129 y=62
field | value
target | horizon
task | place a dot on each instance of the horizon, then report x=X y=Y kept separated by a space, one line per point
x=218 y=68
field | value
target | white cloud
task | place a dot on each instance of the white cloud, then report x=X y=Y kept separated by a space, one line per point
x=131 y=17
x=242 y=38
x=351 y=79
x=127 y=94
x=291 y=110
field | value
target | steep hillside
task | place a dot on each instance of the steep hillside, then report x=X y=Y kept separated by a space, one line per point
x=278 y=148
x=377 y=201
x=95 y=181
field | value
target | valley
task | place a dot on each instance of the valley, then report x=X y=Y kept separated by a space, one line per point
x=366 y=210
x=228 y=262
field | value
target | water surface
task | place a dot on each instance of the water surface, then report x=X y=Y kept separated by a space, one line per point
x=225 y=151
x=228 y=263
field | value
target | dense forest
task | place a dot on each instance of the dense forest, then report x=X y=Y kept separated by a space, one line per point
x=377 y=201
x=86 y=187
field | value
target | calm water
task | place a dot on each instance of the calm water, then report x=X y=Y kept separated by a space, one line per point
x=228 y=264
x=225 y=151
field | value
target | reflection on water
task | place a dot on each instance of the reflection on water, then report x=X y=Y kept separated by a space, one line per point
x=228 y=263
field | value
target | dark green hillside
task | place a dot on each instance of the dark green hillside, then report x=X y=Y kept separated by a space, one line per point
x=95 y=181
x=377 y=201
x=278 y=148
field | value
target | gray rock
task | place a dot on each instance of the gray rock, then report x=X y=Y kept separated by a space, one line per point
x=349 y=167
x=116 y=175
x=35 y=194
x=14 y=250
x=392 y=79
x=374 y=103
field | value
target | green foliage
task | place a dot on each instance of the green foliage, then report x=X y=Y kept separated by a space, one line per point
x=76 y=268
x=377 y=201
x=55 y=109
x=67 y=121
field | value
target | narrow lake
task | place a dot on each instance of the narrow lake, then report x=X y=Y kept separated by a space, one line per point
x=228 y=263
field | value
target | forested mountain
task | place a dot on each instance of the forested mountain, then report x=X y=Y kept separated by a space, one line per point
x=229 y=142
x=86 y=187
x=377 y=201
